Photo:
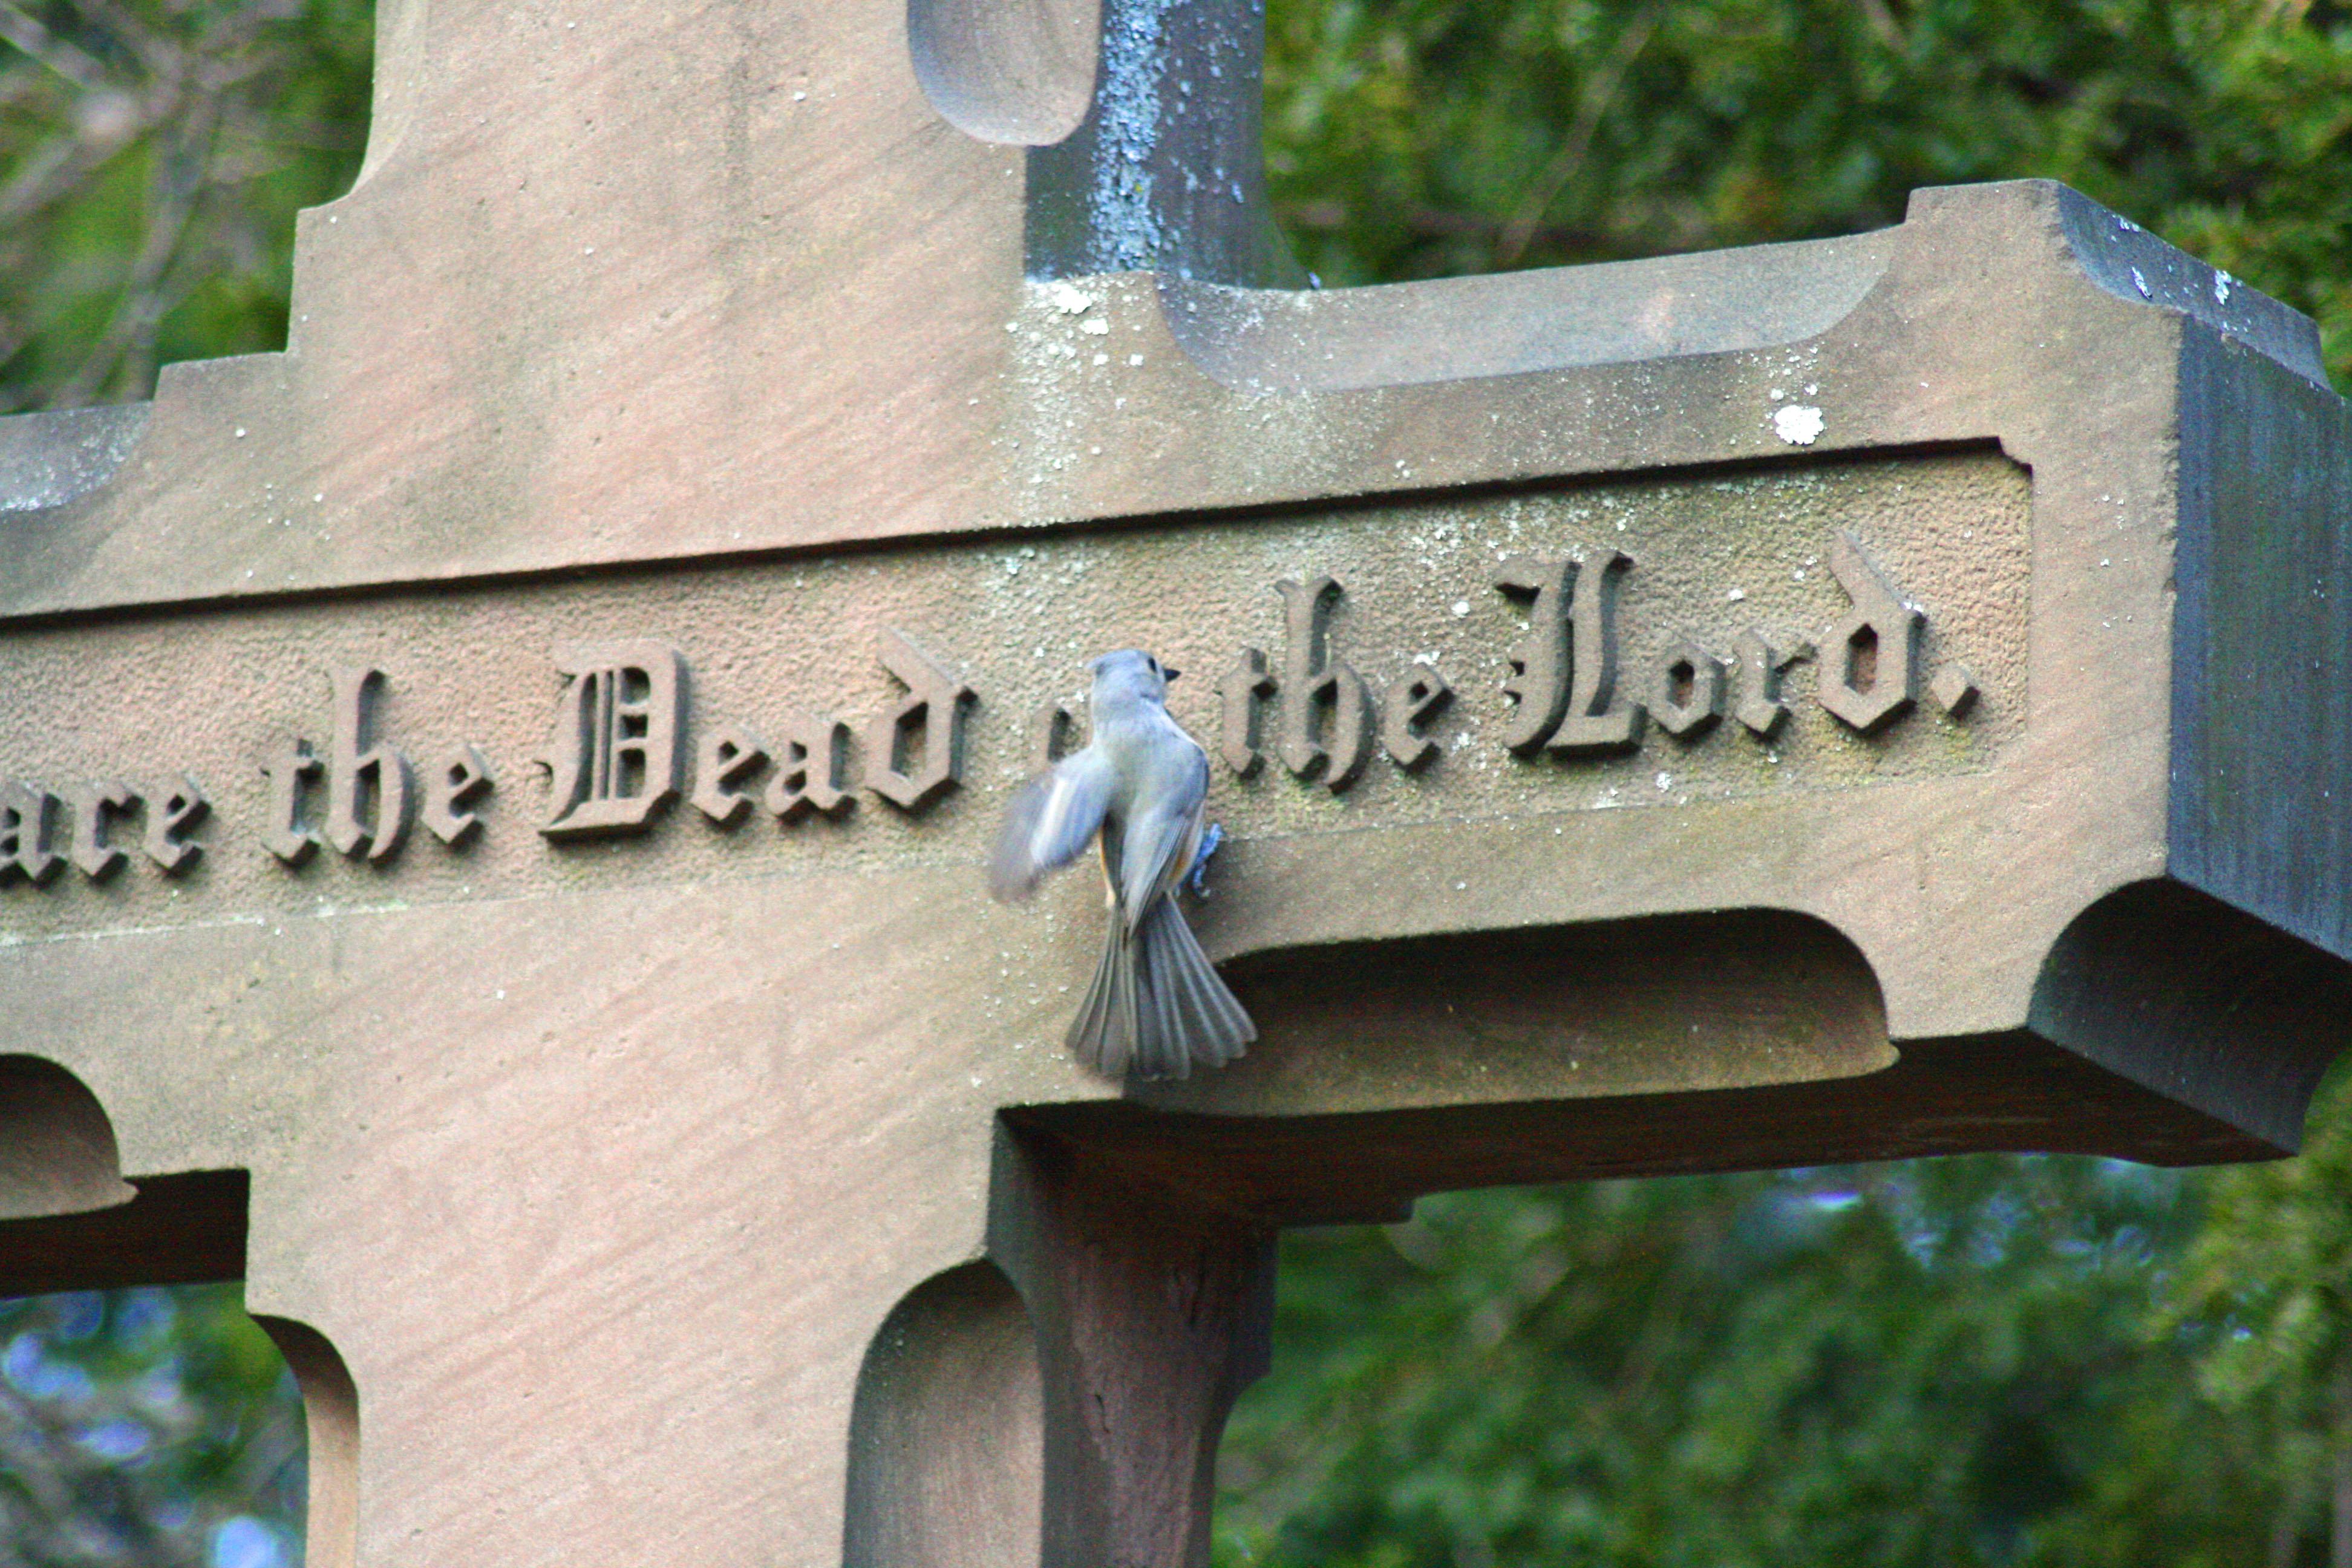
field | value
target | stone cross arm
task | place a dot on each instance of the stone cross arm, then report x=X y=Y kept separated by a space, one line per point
x=496 y=793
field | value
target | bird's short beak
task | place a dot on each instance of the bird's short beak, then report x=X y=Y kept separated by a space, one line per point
x=1167 y=674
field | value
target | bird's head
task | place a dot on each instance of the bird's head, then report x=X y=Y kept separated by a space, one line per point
x=1130 y=673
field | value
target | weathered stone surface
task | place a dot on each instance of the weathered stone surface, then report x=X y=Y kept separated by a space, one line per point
x=499 y=788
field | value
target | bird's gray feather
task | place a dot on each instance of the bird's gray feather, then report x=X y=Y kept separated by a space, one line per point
x=1049 y=823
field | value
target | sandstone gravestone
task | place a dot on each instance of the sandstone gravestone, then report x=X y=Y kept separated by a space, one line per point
x=498 y=789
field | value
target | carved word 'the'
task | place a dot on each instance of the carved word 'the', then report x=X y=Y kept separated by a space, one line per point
x=1327 y=720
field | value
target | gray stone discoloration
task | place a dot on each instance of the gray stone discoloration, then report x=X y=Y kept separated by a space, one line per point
x=49 y=460
x=1401 y=334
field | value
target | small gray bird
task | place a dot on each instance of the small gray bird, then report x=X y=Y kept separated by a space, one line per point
x=1156 y=1007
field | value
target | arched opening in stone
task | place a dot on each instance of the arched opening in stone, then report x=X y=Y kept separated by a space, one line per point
x=156 y=1425
x=145 y=1417
x=1689 y=1344
x=946 y=1430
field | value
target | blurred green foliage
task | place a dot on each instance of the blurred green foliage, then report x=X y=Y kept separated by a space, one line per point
x=153 y=156
x=153 y=1428
x=1419 y=138
x=2000 y=1360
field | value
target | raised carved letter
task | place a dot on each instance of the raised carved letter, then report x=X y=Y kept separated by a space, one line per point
x=1319 y=692
x=28 y=828
x=1239 y=691
x=1413 y=701
x=728 y=757
x=1761 y=664
x=1539 y=679
x=94 y=805
x=459 y=779
x=1596 y=721
x=367 y=790
x=289 y=837
x=615 y=755
x=171 y=813
x=1567 y=665
x=1052 y=733
x=1690 y=692
x=1870 y=661
x=927 y=720
x=811 y=770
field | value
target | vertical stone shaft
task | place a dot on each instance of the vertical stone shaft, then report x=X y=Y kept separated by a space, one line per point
x=1153 y=1311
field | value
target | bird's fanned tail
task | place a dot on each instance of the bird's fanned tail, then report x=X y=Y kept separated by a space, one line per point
x=1102 y=1037
x=1157 y=1007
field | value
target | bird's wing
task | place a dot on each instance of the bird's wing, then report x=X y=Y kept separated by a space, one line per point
x=1048 y=823
x=1161 y=840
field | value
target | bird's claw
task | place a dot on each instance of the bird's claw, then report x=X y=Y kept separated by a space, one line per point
x=1209 y=840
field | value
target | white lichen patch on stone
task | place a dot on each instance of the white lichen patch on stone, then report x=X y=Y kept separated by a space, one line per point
x=1069 y=298
x=1798 y=424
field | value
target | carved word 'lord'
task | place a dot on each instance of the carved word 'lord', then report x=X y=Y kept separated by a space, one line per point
x=1566 y=689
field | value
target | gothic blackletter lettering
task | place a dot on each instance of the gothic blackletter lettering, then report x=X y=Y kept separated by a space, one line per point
x=1053 y=734
x=1596 y=720
x=28 y=828
x=1239 y=691
x=1954 y=689
x=1690 y=691
x=726 y=758
x=1412 y=702
x=1870 y=660
x=1761 y=664
x=367 y=788
x=454 y=783
x=1539 y=679
x=925 y=724
x=95 y=809
x=811 y=771
x=289 y=836
x=1319 y=693
x=614 y=756
x=1566 y=680
x=171 y=812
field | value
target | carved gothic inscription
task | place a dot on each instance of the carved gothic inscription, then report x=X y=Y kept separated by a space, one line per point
x=1566 y=668
x=1662 y=642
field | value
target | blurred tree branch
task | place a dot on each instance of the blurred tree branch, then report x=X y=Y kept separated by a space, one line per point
x=153 y=156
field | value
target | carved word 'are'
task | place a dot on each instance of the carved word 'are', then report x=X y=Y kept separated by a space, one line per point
x=43 y=832
x=1566 y=692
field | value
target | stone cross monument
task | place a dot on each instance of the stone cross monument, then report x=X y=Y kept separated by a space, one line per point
x=496 y=792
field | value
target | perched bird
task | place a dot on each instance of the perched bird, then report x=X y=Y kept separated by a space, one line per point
x=1156 y=1008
